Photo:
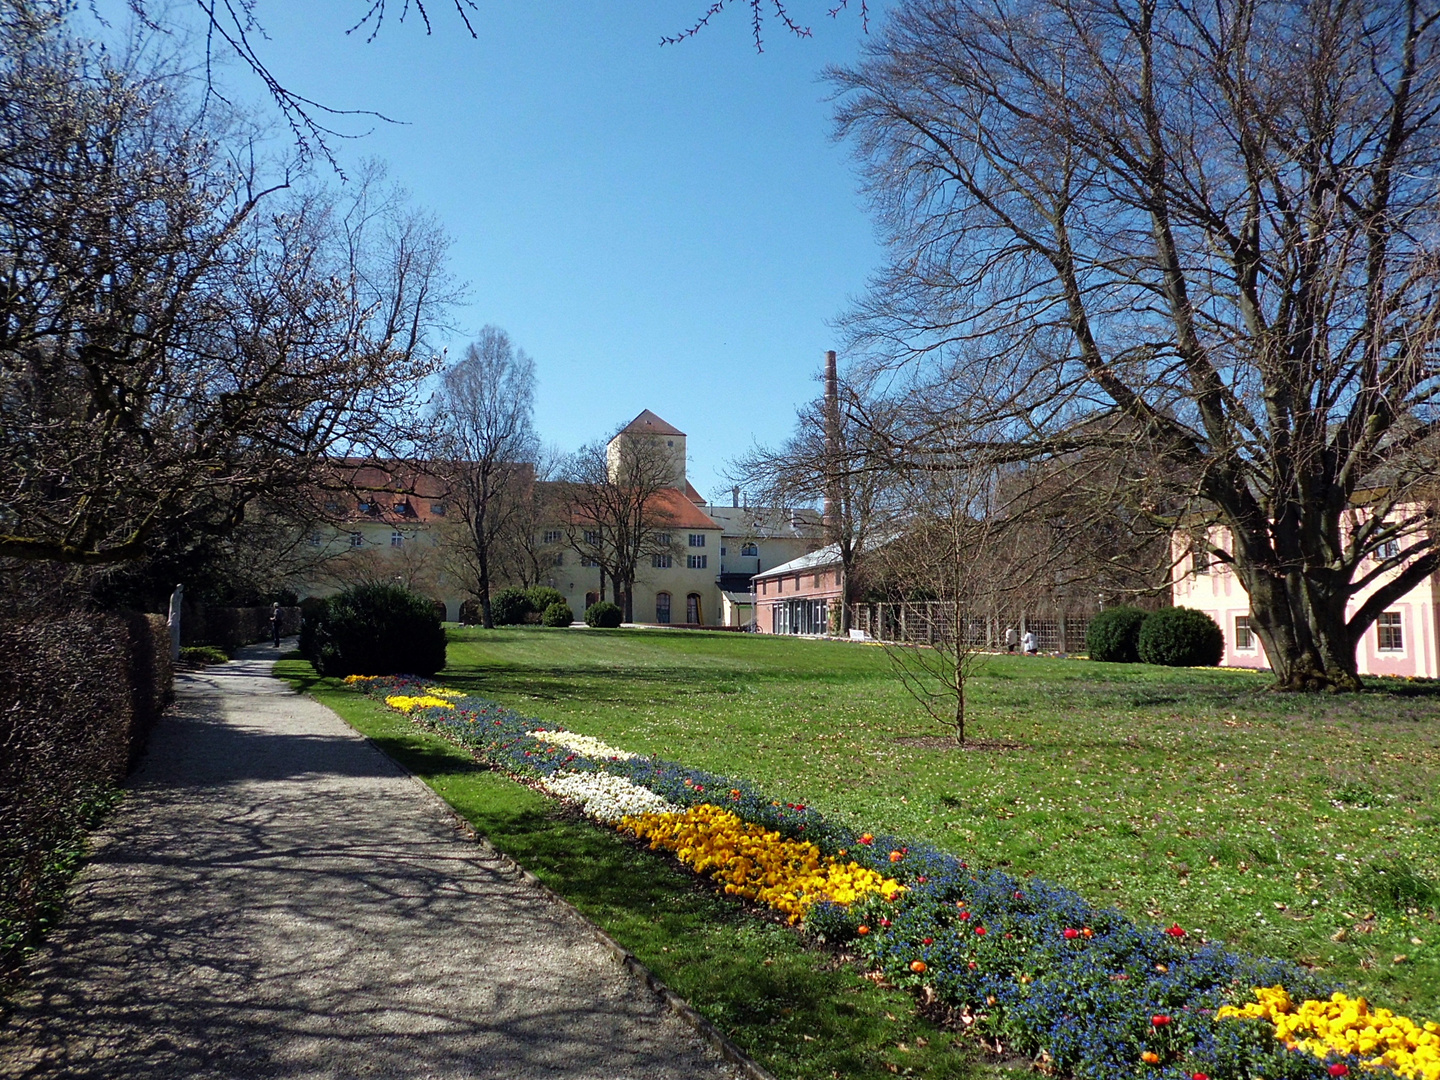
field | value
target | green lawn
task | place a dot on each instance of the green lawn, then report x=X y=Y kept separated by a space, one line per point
x=1274 y=821
x=1307 y=827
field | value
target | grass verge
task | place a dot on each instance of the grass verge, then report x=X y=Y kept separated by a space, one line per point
x=792 y=1008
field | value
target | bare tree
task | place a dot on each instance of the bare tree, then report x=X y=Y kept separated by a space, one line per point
x=840 y=454
x=618 y=509
x=530 y=545
x=484 y=414
x=179 y=338
x=1218 y=223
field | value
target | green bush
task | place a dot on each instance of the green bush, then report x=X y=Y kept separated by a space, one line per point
x=542 y=597
x=603 y=615
x=509 y=606
x=1181 y=637
x=375 y=630
x=558 y=614
x=1114 y=635
x=200 y=655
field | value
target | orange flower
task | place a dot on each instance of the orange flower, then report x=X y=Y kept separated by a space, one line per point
x=862 y=930
x=917 y=966
x=895 y=856
x=1149 y=1057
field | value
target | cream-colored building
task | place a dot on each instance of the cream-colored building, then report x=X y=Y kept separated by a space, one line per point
x=395 y=528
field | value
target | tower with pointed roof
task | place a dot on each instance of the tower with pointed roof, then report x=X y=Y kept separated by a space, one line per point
x=669 y=439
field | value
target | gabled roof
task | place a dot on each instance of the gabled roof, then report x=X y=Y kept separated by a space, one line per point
x=826 y=556
x=647 y=423
x=678 y=512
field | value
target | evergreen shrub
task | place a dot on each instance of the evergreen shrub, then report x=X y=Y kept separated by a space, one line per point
x=375 y=630
x=1181 y=637
x=603 y=615
x=541 y=597
x=1114 y=635
x=558 y=614
x=510 y=606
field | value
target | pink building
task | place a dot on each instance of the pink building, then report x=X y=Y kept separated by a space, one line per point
x=1402 y=641
x=799 y=596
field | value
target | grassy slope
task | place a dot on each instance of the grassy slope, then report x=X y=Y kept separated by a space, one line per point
x=786 y=1005
x=1188 y=795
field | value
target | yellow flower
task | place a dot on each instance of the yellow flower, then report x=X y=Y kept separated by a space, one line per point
x=408 y=704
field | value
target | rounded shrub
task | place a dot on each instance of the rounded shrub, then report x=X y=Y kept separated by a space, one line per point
x=558 y=614
x=1114 y=635
x=1181 y=637
x=375 y=630
x=603 y=615
x=541 y=597
x=509 y=606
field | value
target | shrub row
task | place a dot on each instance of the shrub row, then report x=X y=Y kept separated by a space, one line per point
x=1031 y=964
x=1173 y=637
x=80 y=694
x=512 y=606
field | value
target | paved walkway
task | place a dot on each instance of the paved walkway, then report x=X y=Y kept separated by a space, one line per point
x=276 y=899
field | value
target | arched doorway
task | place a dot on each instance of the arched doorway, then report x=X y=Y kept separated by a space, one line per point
x=591 y=598
x=692 y=609
x=662 y=608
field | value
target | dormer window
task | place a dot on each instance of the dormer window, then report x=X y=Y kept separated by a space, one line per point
x=401 y=507
x=750 y=550
x=438 y=509
x=366 y=507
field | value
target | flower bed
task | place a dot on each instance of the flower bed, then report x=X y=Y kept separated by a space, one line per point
x=1033 y=967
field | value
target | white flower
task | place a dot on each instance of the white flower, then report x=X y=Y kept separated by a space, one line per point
x=604 y=797
x=581 y=744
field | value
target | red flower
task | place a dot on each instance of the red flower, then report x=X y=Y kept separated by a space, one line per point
x=1175 y=930
x=964 y=915
x=884 y=922
x=1199 y=1076
x=1160 y=1020
x=921 y=879
x=866 y=838
x=927 y=941
x=1071 y=934
x=980 y=930
x=1339 y=1069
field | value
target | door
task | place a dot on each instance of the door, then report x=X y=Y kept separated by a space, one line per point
x=662 y=608
x=692 y=609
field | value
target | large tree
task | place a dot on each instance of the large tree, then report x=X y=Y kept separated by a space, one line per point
x=1215 y=224
x=484 y=412
x=178 y=337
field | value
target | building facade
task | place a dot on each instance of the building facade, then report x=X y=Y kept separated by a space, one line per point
x=1403 y=640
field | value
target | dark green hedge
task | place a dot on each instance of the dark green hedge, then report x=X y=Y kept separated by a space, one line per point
x=1113 y=635
x=1181 y=637
x=374 y=630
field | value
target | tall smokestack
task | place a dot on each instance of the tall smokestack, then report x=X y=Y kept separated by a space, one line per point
x=832 y=446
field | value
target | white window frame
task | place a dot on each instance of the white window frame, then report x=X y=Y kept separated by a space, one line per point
x=1390 y=625
x=697 y=540
x=1244 y=634
x=696 y=562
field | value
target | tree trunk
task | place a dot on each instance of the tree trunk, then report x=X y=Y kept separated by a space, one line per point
x=1302 y=624
x=482 y=559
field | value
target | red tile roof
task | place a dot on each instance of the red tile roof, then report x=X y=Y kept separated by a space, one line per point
x=647 y=423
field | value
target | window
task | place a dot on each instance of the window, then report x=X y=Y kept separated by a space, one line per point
x=402 y=507
x=550 y=536
x=722 y=551
x=397 y=538
x=801 y=617
x=438 y=509
x=314 y=539
x=586 y=560
x=1389 y=549
x=365 y=507
x=697 y=539
x=662 y=608
x=692 y=609
x=660 y=562
x=1200 y=558
x=749 y=550
x=1244 y=638
x=696 y=562
x=356 y=540
x=331 y=506
x=819 y=580
x=592 y=538
x=662 y=539
x=559 y=558
x=1392 y=638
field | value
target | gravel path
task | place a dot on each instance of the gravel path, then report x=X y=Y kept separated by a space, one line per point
x=276 y=899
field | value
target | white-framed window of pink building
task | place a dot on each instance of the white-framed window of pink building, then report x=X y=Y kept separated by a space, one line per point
x=1388 y=629
x=1199 y=558
x=1244 y=635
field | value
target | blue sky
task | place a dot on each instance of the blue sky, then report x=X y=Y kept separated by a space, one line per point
x=668 y=228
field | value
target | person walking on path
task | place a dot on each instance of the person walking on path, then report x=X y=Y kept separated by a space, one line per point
x=275 y=624
x=276 y=898
x=1030 y=644
x=1012 y=638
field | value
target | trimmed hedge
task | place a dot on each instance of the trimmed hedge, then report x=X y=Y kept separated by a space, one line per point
x=604 y=615
x=558 y=614
x=80 y=693
x=1113 y=635
x=1181 y=637
x=544 y=597
x=374 y=630
x=229 y=628
x=510 y=606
